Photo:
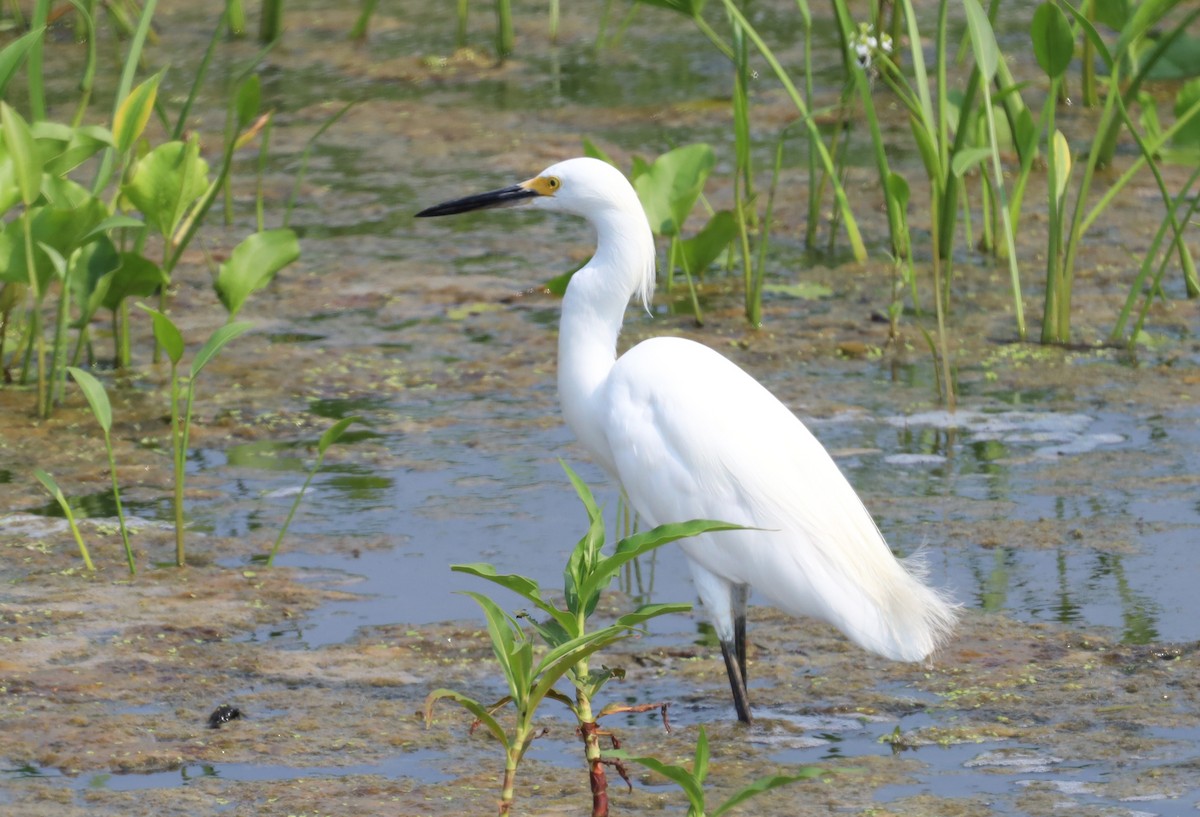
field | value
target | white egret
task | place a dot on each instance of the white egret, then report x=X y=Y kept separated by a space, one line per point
x=687 y=435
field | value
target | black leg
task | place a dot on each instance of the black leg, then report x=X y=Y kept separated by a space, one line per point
x=741 y=700
x=741 y=593
x=739 y=642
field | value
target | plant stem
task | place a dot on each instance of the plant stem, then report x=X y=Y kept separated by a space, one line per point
x=180 y=452
x=112 y=469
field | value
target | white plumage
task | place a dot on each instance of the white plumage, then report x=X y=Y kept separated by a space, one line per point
x=689 y=435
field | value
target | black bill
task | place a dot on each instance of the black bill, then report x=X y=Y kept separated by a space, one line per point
x=505 y=197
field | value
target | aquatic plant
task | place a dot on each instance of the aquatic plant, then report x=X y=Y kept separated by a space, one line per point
x=50 y=485
x=171 y=340
x=1133 y=39
x=565 y=631
x=97 y=399
x=691 y=781
x=328 y=438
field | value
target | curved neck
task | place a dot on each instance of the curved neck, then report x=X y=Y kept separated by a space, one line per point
x=592 y=311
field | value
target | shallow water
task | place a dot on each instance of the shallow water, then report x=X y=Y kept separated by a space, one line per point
x=1058 y=506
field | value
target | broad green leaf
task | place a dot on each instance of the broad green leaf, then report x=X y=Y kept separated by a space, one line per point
x=137 y=276
x=253 y=264
x=91 y=270
x=471 y=705
x=57 y=262
x=14 y=54
x=1053 y=42
x=167 y=334
x=706 y=246
x=766 y=784
x=216 y=342
x=983 y=39
x=95 y=395
x=247 y=100
x=166 y=182
x=1062 y=164
x=27 y=166
x=82 y=144
x=10 y=193
x=967 y=158
x=334 y=432
x=670 y=187
x=1112 y=13
x=116 y=222
x=134 y=112
x=1185 y=101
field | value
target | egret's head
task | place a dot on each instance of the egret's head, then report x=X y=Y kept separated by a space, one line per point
x=584 y=187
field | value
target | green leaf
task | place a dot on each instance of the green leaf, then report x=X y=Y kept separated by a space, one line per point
x=133 y=114
x=680 y=775
x=1185 y=100
x=166 y=182
x=97 y=398
x=555 y=664
x=649 y=611
x=983 y=39
x=671 y=186
x=27 y=162
x=702 y=249
x=471 y=705
x=62 y=156
x=1062 y=164
x=1112 y=13
x=137 y=276
x=766 y=784
x=594 y=151
x=57 y=262
x=523 y=586
x=253 y=264
x=631 y=547
x=897 y=189
x=90 y=273
x=505 y=634
x=166 y=333
x=334 y=433
x=248 y=100
x=966 y=159
x=700 y=762
x=1093 y=36
x=216 y=343
x=49 y=483
x=1053 y=42
x=14 y=54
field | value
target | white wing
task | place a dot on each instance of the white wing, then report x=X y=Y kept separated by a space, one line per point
x=691 y=435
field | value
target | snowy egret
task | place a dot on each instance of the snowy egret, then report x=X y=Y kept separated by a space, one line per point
x=689 y=435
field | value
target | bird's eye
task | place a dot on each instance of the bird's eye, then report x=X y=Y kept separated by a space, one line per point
x=553 y=183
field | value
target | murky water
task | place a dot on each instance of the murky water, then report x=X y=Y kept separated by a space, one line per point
x=1058 y=505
